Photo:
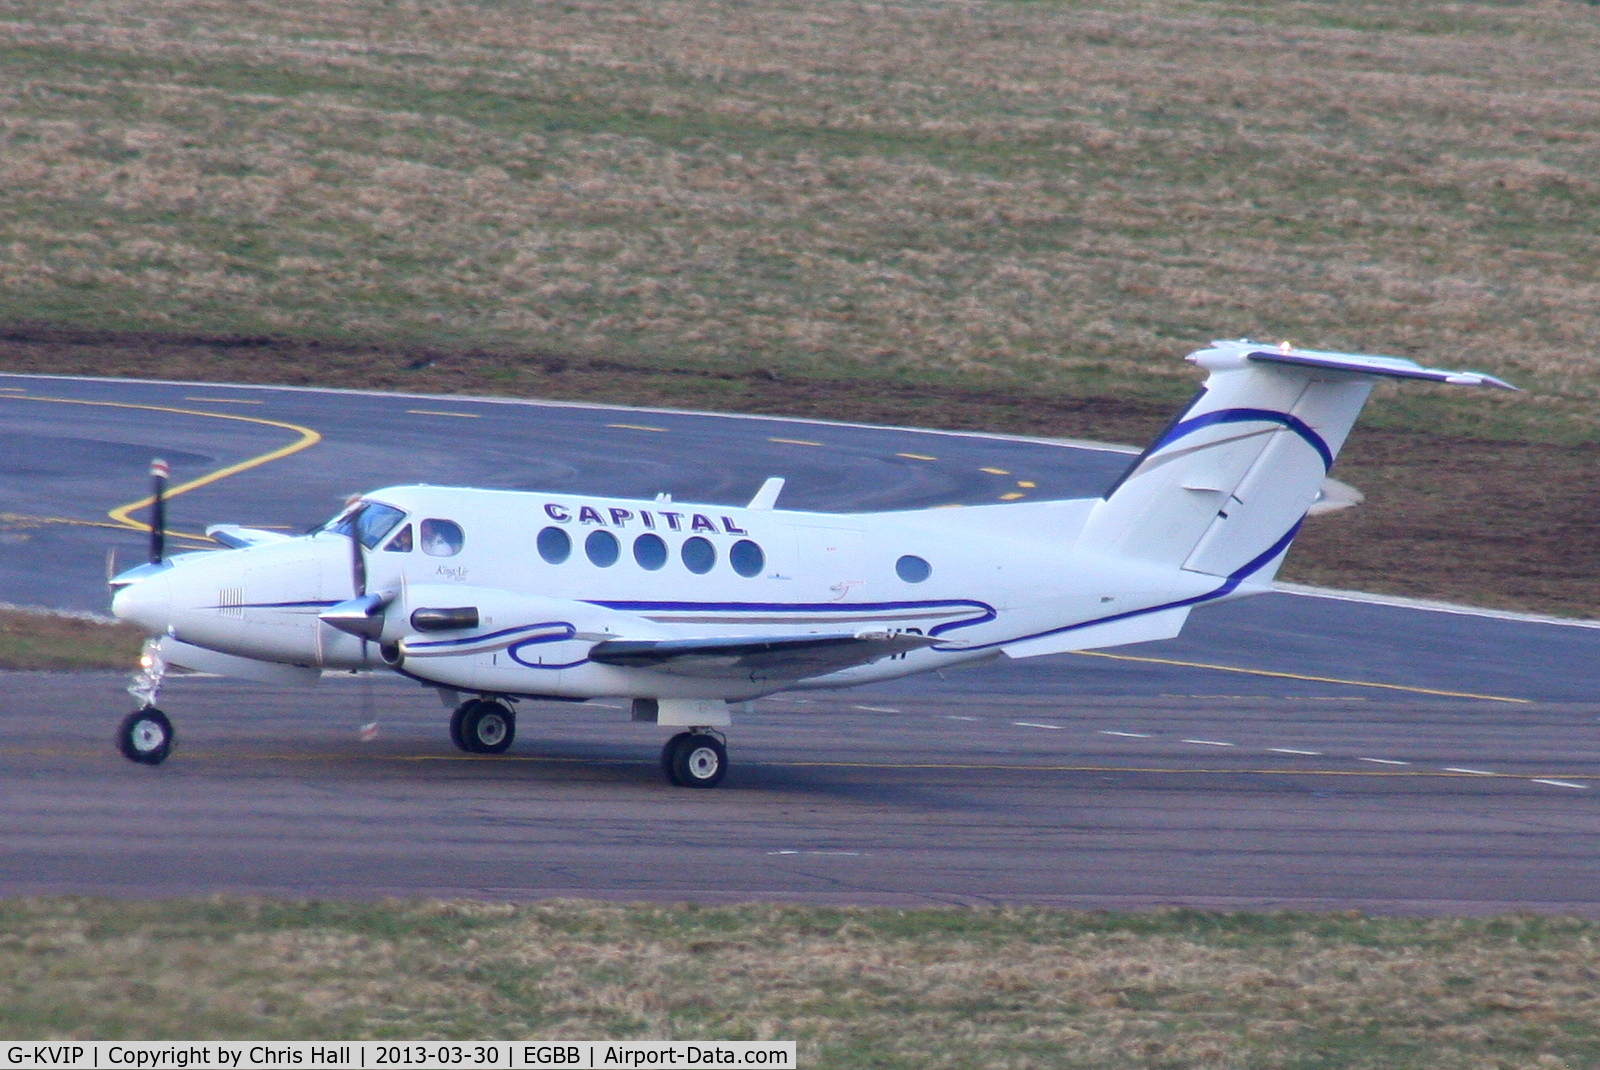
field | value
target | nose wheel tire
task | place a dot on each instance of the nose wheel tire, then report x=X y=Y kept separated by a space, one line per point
x=145 y=736
x=482 y=726
x=694 y=760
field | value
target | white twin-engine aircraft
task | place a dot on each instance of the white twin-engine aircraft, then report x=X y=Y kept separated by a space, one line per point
x=495 y=596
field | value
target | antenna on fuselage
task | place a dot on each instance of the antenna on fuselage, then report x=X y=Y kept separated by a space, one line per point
x=158 y=511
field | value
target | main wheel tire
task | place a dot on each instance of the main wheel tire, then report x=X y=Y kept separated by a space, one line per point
x=459 y=715
x=145 y=736
x=488 y=727
x=699 y=761
x=669 y=756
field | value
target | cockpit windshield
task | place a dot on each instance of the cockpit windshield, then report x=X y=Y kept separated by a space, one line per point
x=372 y=520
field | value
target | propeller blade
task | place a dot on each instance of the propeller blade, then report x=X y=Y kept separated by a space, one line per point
x=158 y=511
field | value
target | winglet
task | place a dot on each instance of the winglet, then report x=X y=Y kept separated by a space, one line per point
x=767 y=496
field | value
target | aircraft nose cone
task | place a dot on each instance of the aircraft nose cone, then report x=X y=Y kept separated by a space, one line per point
x=146 y=602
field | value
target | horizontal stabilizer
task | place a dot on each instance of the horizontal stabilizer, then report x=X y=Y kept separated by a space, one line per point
x=782 y=658
x=1360 y=364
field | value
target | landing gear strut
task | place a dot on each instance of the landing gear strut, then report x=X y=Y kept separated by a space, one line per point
x=145 y=735
x=483 y=726
x=694 y=759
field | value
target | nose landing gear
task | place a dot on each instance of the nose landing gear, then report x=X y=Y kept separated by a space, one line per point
x=145 y=735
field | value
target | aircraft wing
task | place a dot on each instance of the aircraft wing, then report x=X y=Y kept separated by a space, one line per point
x=781 y=658
x=235 y=537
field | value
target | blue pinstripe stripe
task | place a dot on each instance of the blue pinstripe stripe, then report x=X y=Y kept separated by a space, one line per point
x=1240 y=416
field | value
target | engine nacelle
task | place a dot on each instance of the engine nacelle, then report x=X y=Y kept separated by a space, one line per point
x=485 y=639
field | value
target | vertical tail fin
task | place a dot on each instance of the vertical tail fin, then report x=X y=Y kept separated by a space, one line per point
x=1223 y=490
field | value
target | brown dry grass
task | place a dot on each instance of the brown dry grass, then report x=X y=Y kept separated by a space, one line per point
x=965 y=988
x=1001 y=192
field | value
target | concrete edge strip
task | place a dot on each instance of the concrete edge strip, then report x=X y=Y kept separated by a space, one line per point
x=1426 y=606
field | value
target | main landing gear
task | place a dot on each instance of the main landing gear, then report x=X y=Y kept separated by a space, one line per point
x=694 y=759
x=483 y=726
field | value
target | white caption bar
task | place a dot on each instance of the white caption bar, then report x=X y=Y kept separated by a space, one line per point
x=371 y=1055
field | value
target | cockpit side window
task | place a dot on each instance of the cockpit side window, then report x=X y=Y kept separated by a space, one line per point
x=441 y=538
x=401 y=543
x=373 y=521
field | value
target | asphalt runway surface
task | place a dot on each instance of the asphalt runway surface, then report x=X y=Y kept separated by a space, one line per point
x=1287 y=751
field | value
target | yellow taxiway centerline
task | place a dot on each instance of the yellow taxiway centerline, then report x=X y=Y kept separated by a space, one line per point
x=307 y=438
x=365 y=755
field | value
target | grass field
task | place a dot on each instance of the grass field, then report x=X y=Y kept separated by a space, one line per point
x=1050 y=195
x=856 y=988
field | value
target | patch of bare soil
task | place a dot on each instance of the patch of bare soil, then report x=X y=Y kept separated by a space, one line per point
x=1481 y=522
